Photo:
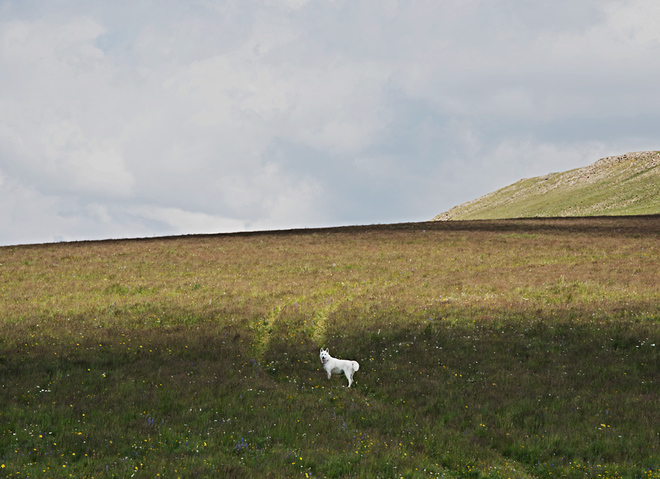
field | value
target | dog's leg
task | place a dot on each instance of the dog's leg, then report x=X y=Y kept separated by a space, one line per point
x=349 y=377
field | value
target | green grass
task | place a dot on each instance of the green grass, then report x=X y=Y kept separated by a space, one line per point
x=487 y=349
x=615 y=186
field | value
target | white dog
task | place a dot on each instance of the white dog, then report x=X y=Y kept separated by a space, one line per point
x=336 y=366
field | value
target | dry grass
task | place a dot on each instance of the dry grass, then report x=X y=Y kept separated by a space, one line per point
x=504 y=348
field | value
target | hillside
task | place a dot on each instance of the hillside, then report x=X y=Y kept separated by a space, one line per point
x=617 y=185
x=496 y=349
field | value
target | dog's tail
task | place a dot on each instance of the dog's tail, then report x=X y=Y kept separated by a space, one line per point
x=356 y=366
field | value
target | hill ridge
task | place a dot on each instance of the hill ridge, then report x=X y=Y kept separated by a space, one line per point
x=627 y=184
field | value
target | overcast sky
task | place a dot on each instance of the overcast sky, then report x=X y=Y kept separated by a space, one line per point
x=138 y=118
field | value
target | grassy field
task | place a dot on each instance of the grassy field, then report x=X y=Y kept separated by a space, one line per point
x=520 y=348
x=615 y=186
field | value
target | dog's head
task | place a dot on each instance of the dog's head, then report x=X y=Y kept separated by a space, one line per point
x=325 y=355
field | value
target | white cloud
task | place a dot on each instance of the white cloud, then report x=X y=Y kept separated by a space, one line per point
x=182 y=222
x=169 y=117
x=31 y=216
x=634 y=23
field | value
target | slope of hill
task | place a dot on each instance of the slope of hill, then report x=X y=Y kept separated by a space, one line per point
x=487 y=350
x=617 y=185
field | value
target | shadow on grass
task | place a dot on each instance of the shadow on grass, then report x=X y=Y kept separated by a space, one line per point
x=484 y=398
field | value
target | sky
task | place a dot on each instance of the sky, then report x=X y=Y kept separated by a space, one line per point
x=143 y=118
